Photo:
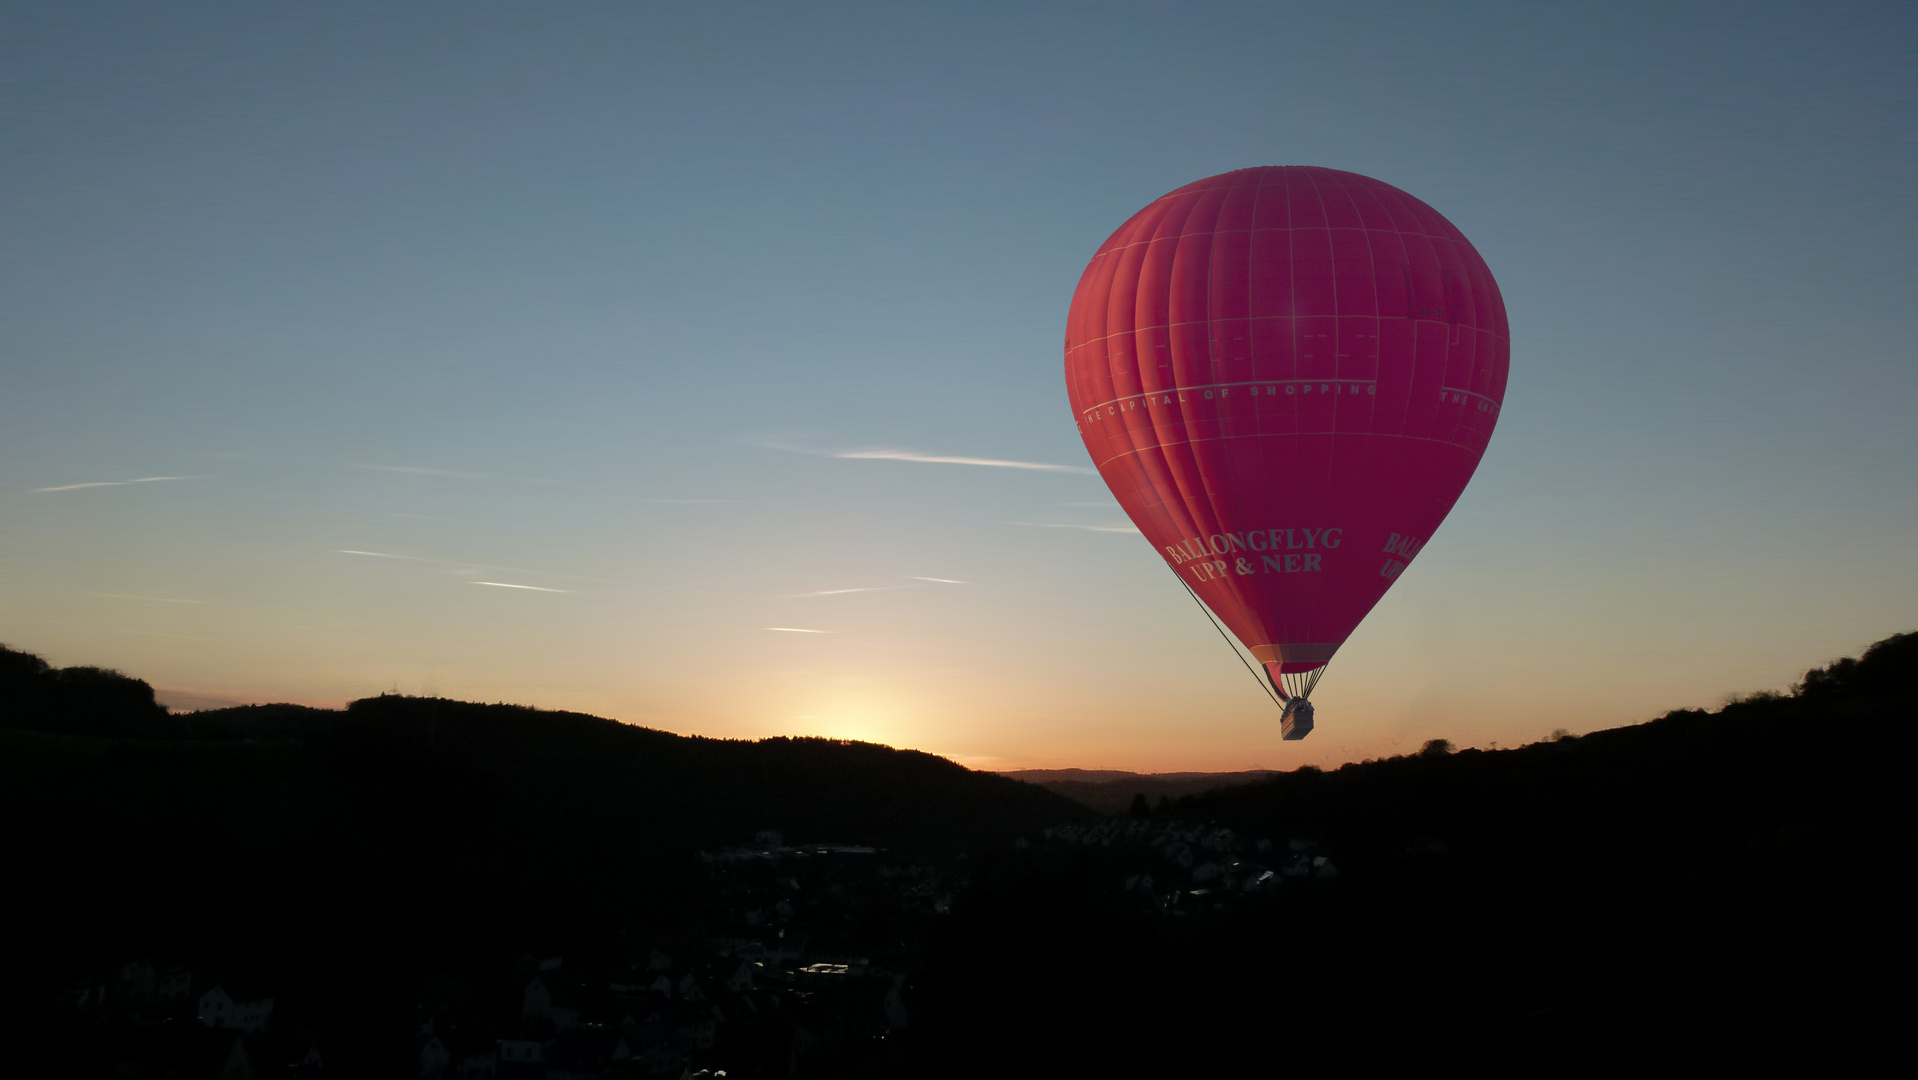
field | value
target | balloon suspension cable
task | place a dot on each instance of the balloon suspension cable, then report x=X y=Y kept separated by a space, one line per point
x=1299 y=684
x=1235 y=649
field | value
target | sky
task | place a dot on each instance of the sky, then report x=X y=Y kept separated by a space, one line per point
x=700 y=365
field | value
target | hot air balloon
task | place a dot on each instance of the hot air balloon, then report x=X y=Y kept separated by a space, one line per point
x=1287 y=375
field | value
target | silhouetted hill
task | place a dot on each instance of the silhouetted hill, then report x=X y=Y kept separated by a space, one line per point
x=77 y=700
x=1082 y=776
x=335 y=855
x=1707 y=888
x=287 y=774
x=1112 y=791
x=1820 y=765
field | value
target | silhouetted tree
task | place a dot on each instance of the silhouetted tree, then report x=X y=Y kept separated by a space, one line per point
x=1436 y=748
x=1889 y=669
x=1140 y=807
x=77 y=700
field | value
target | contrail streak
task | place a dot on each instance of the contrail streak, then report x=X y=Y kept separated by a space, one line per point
x=937 y=459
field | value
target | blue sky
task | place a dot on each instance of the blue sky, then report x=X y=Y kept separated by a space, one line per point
x=595 y=298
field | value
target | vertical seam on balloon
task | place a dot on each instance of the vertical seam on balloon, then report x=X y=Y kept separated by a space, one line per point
x=1252 y=356
x=1427 y=246
x=1430 y=244
x=1234 y=600
x=1458 y=334
x=1211 y=362
x=1145 y=220
x=1332 y=255
x=1121 y=275
x=1183 y=514
x=1195 y=501
x=1123 y=279
x=1191 y=501
x=1378 y=344
x=1075 y=318
x=1172 y=471
x=1159 y=469
x=1292 y=305
x=1255 y=616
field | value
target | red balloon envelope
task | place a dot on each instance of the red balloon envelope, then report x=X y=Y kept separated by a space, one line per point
x=1287 y=375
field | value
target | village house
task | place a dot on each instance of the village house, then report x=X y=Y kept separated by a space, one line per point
x=542 y=1001
x=238 y=1065
x=689 y=989
x=227 y=1012
x=435 y=1059
x=522 y=1056
x=309 y=1065
x=477 y=1067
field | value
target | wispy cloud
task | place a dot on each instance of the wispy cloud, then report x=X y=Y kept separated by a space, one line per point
x=796 y=630
x=941 y=459
x=883 y=453
x=1086 y=528
x=114 y=483
x=529 y=588
x=940 y=580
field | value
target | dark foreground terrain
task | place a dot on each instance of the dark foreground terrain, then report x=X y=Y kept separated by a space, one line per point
x=412 y=887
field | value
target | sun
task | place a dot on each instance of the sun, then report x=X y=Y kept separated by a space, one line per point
x=857 y=716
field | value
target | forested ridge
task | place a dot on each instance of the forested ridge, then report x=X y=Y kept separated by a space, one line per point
x=335 y=857
x=1722 y=882
x=1727 y=886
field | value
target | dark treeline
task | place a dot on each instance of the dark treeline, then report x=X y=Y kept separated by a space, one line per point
x=1726 y=886
x=1718 y=885
x=337 y=858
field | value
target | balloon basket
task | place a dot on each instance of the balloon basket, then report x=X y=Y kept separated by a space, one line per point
x=1296 y=724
